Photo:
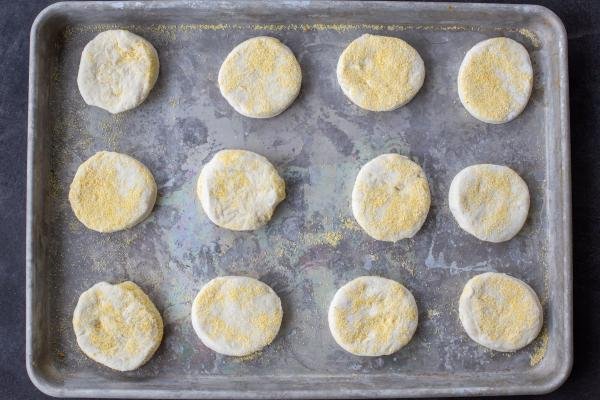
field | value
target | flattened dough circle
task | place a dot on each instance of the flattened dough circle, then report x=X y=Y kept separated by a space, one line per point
x=500 y=312
x=260 y=78
x=239 y=190
x=236 y=315
x=111 y=192
x=372 y=316
x=495 y=80
x=380 y=73
x=391 y=198
x=117 y=71
x=491 y=202
x=117 y=325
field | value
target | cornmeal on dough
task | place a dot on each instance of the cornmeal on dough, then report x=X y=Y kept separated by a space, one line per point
x=260 y=78
x=236 y=315
x=239 y=189
x=117 y=325
x=391 y=198
x=111 y=192
x=373 y=316
x=500 y=312
x=495 y=80
x=117 y=71
x=380 y=73
x=491 y=202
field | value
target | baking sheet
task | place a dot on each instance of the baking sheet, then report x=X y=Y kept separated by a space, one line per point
x=312 y=245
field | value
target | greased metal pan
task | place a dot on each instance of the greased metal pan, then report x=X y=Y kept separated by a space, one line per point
x=312 y=245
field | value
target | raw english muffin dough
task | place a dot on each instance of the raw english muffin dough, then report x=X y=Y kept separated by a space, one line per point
x=373 y=316
x=236 y=315
x=491 y=202
x=239 y=190
x=495 y=80
x=391 y=198
x=500 y=312
x=117 y=325
x=111 y=192
x=380 y=73
x=117 y=71
x=260 y=78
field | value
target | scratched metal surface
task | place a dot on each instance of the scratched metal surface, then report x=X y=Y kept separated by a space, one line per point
x=312 y=246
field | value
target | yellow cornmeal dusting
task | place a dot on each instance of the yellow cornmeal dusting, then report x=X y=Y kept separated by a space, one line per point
x=98 y=195
x=396 y=204
x=491 y=189
x=377 y=70
x=540 y=350
x=503 y=309
x=219 y=295
x=257 y=71
x=490 y=77
x=374 y=320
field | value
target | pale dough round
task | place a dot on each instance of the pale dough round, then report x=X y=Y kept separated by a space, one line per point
x=495 y=80
x=111 y=192
x=500 y=312
x=391 y=198
x=491 y=202
x=236 y=315
x=117 y=71
x=260 y=78
x=380 y=73
x=239 y=190
x=117 y=325
x=373 y=316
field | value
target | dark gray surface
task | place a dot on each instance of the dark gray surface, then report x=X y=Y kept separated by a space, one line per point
x=579 y=19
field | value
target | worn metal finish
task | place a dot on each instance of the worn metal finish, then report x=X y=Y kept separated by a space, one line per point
x=312 y=245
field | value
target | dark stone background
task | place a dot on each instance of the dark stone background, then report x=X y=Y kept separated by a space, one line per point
x=582 y=20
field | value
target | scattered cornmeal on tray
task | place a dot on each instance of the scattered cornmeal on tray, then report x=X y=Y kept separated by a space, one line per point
x=373 y=316
x=491 y=202
x=118 y=69
x=380 y=73
x=391 y=198
x=260 y=78
x=500 y=312
x=236 y=315
x=239 y=189
x=495 y=80
x=111 y=192
x=117 y=325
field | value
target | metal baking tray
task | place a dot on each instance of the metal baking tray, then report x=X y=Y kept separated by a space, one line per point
x=312 y=245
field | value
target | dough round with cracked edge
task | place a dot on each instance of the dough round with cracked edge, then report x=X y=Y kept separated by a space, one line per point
x=117 y=325
x=239 y=190
x=500 y=312
x=236 y=315
x=373 y=316
x=495 y=80
x=391 y=198
x=117 y=71
x=260 y=78
x=491 y=202
x=111 y=192
x=380 y=73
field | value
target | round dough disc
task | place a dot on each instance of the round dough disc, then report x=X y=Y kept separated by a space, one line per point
x=380 y=73
x=117 y=325
x=111 y=192
x=495 y=80
x=491 y=202
x=236 y=315
x=372 y=316
x=260 y=78
x=391 y=198
x=117 y=71
x=500 y=312
x=239 y=190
